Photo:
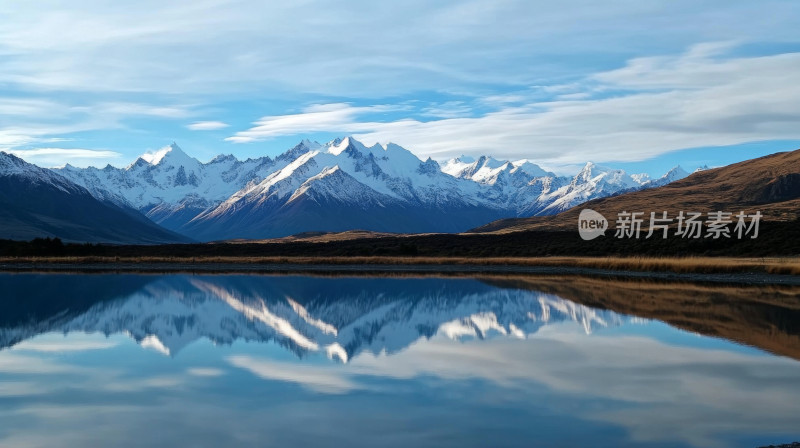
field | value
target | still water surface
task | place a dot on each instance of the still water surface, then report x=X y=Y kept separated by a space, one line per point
x=247 y=360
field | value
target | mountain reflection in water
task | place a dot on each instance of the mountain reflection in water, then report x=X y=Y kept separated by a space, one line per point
x=339 y=317
x=247 y=360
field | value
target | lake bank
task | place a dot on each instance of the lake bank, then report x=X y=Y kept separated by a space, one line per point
x=715 y=270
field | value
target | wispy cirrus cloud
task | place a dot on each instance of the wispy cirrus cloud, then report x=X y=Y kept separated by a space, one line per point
x=205 y=371
x=334 y=117
x=207 y=125
x=709 y=385
x=316 y=378
x=26 y=125
x=212 y=47
x=469 y=66
x=703 y=97
x=449 y=109
x=51 y=157
x=58 y=346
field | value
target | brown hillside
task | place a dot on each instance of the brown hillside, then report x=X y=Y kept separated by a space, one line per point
x=769 y=184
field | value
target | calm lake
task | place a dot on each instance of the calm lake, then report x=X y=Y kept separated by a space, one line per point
x=253 y=360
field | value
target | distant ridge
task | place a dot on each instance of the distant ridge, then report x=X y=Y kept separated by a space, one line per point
x=770 y=184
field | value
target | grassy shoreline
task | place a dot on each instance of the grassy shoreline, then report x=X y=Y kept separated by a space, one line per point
x=678 y=265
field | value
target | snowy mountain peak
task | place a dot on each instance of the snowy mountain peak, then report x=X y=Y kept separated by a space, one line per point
x=13 y=165
x=530 y=168
x=676 y=173
x=641 y=178
x=479 y=170
x=347 y=143
x=170 y=155
x=429 y=167
x=589 y=172
x=224 y=158
x=490 y=162
x=306 y=145
x=593 y=181
x=155 y=157
x=465 y=159
x=298 y=150
x=9 y=163
x=390 y=148
x=593 y=173
x=309 y=144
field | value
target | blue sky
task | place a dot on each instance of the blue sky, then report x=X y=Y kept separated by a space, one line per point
x=639 y=85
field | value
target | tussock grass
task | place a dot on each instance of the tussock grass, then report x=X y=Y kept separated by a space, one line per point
x=771 y=265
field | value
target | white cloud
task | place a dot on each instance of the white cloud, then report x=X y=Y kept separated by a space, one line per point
x=669 y=103
x=213 y=53
x=11 y=138
x=316 y=378
x=205 y=371
x=124 y=109
x=449 y=109
x=63 y=345
x=51 y=157
x=20 y=389
x=28 y=107
x=26 y=122
x=207 y=125
x=361 y=49
x=335 y=117
x=14 y=363
x=168 y=382
x=646 y=387
x=722 y=391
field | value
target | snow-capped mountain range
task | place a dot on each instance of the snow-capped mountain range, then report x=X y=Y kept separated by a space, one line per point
x=37 y=202
x=337 y=318
x=342 y=185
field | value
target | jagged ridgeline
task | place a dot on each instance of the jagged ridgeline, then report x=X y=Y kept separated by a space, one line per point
x=342 y=185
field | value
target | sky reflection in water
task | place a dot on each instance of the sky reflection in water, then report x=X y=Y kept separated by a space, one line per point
x=240 y=360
